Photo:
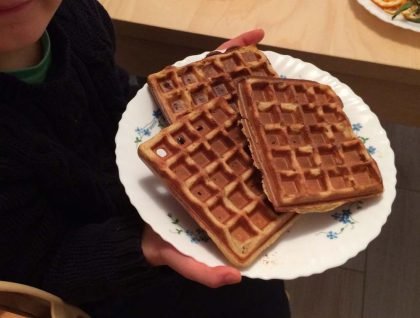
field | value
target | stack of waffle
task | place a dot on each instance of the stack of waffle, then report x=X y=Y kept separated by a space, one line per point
x=246 y=151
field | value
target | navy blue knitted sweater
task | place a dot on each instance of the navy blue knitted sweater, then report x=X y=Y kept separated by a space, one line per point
x=66 y=224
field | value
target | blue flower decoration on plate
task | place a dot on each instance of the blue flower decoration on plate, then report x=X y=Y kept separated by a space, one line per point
x=157 y=121
x=344 y=218
x=357 y=127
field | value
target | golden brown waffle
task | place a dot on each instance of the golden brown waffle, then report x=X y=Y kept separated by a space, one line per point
x=179 y=90
x=302 y=141
x=203 y=160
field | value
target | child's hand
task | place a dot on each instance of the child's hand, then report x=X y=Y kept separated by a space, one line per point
x=247 y=38
x=159 y=252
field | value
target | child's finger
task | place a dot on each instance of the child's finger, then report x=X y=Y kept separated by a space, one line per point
x=247 y=38
x=189 y=268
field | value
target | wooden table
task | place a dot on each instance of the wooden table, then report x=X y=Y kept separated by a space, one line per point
x=379 y=61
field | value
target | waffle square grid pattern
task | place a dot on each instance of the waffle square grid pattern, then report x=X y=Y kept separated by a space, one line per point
x=303 y=143
x=179 y=90
x=204 y=160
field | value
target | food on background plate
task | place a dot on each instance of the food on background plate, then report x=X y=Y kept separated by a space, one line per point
x=179 y=90
x=409 y=9
x=203 y=159
x=302 y=141
x=412 y=13
x=386 y=4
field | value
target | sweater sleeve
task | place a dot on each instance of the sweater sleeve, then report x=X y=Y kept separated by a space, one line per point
x=97 y=260
x=78 y=262
x=57 y=234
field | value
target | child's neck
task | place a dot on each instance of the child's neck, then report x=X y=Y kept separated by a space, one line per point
x=21 y=58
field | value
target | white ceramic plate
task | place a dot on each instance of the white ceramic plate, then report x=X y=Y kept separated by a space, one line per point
x=315 y=244
x=381 y=14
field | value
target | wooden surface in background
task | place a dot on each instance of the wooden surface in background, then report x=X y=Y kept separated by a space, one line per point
x=342 y=29
x=392 y=93
x=379 y=61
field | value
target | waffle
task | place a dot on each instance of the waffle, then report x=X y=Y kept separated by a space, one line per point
x=179 y=90
x=303 y=143
x=203 y=158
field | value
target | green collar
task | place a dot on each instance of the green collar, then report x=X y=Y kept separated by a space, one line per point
x=36 y=74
